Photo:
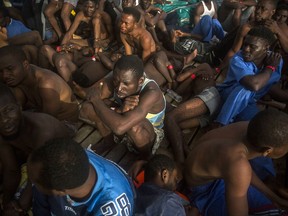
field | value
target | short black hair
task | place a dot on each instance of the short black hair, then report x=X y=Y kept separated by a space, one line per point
x=273 y=3
x=17 y=53
x=132 y=11
x=282 y=7
x=264 y=33
x=64 y=164
x=130 y=63
x=4 y=11
x=96 y=2
x=269 y=128
x=5 y=92
x=156 y=164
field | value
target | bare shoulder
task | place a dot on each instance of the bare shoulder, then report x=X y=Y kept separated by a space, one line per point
x=44 y=127
x=234 y=131
x=49 y=79
x=152 y=88
x=146 y=36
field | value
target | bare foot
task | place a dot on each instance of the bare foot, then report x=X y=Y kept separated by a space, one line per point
x=189 y=58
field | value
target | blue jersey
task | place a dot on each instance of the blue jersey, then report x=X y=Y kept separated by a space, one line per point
x=15 y=28
x=239 y=102
x=113 y=194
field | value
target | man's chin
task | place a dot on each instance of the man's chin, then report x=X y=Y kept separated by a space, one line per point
x=11 y=135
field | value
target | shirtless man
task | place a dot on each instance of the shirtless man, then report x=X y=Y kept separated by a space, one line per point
x=137 y=117
x=198 y=110
x=37 y=88
x=91 y=23
x=137 y=39
x=217 y=169
x=20 y=133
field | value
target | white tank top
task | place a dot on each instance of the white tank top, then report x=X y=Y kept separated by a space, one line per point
x=208 y=12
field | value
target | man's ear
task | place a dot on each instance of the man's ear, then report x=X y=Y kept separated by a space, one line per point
x=273 y=12
x=267 y=151
x=141 y=81
x=164 y=176
x=26 y=64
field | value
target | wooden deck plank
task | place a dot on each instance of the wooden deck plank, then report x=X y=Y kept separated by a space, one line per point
x=83 y=133
x=128 y=160
x=93 y=138
x=117 y=153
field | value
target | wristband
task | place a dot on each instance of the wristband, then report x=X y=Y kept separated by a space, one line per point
x=273 y=68
x=58 y=49
x=193 y=76
x=170 y=67
x=218 y=70
x=93 y=58
x=159 y=12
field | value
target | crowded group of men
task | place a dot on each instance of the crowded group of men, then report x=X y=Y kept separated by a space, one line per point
x=110 y=66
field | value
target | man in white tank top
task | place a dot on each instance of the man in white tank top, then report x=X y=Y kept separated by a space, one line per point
x=206 y=7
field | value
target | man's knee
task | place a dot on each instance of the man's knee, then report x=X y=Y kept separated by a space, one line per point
x=50 y=11
x=60 y=61
x=206 y=20
x=66 y=10
x=142 y=133
x=97 y=20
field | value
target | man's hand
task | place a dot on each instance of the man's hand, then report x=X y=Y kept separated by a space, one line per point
x=272 y=25
x=272 y=59
x=136 y=168
x=179 y=33
x=130 y=103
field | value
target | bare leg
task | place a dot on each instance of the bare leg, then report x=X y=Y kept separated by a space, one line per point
x=30 y=38
x=152 y=73
x=153 y=33
x=188 y=110
x=45 y=57
x=31 y=53
x=143 y=137
x=49 y=12
x=87 y=113
x=65 y=14
x=161 y=63
x=189 y=58
x=65 y=66
x=97 y=32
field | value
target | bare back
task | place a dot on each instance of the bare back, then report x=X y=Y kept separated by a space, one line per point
x=213 y=152
x=50 y=94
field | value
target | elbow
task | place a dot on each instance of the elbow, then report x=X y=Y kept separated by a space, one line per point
x=253 y=87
